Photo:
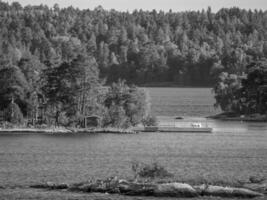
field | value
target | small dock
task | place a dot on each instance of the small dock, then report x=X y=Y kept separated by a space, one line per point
x=177 y=129
x=180 y=125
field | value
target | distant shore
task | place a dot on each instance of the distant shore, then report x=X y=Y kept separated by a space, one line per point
x=70 y=130
x=234 y=117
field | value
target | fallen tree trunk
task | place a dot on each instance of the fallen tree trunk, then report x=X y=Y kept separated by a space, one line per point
x=219 y=191
x=175 y=190
x=125 y=187
x=259 y=187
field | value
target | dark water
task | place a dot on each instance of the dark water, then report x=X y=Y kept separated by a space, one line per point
x=234 y=151
x=182 y=102
x=26 y=159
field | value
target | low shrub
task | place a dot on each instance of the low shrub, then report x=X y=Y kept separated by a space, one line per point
x=256 y=179
x=13 y=114
x=150 y=121
x=153 y=170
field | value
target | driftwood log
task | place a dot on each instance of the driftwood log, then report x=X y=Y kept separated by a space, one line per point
x=259 y=187
x=124 y=187
x=219 y=191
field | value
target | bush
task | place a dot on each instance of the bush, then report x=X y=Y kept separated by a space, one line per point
x=116 y=117
x=256 y=179
x=13 y=114
x=63 y=119
x=150 y=121
x=153 y=170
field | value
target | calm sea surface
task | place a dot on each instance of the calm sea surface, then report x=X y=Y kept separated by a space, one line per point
x=194 y=102
x=234 y=151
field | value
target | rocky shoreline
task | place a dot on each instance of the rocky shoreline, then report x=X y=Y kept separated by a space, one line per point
x=172 y=189
x=63 y=130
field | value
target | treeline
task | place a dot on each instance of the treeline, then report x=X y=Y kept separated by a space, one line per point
x=142 y=47
x=60 y=58
x=243 y=94
x=48 y=79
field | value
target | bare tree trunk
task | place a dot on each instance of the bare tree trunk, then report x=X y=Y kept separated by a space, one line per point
x=12 y=111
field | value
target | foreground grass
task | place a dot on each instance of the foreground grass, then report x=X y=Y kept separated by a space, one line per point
x=29 y=194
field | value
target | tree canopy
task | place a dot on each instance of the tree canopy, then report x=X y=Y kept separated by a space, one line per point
x=61 y=55
x=140 y=47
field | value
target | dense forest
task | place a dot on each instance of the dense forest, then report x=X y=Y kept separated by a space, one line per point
x=60 y=56
x=141 y=47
